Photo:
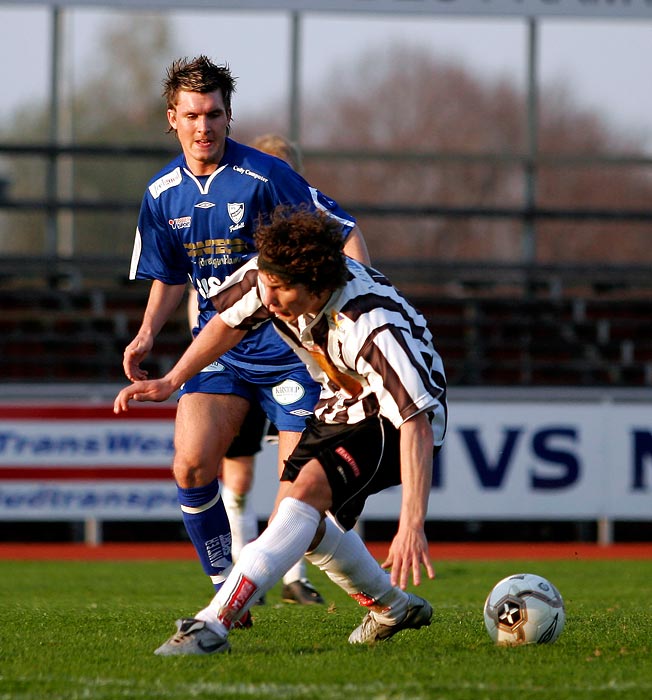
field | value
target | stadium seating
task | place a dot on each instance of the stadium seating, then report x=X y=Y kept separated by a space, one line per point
x=493 y=325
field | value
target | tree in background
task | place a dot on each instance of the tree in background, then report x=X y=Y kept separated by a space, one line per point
x=568 y=130
x=121 y=104
x=118 y=101
x=394 y=100
x=406 y=99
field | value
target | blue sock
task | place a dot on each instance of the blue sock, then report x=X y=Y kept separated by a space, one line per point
x=208 y=528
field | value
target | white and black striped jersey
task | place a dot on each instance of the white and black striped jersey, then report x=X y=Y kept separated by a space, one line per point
x=368 y=348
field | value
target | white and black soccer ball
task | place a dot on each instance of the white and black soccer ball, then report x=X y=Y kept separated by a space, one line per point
x=524 y=609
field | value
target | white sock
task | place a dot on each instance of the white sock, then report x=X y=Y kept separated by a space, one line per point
x=349 y=564
x=243 y=520
x=262 y=562
x=296 y=572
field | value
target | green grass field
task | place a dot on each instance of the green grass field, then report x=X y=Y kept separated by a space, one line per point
x=74 y=630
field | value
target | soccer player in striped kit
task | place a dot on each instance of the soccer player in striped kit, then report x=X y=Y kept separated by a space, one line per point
x=379 y=420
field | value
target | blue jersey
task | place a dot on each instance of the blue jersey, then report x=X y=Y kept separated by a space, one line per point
x=201 y=228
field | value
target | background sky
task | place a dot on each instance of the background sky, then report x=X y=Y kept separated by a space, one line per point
x=605 y=63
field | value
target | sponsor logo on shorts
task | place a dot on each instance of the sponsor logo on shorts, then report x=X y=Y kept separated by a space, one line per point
x=287 y=392
x=346 y=456
x=301 y=412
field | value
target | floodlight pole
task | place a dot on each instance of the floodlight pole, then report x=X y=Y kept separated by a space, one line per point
x=295 y=86
x=529 y=227
x=51 y=183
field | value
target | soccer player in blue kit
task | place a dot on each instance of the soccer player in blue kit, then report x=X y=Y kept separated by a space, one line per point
x=236 y=472
x=196 y=222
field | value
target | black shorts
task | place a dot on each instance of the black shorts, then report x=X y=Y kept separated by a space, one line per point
x=359 y=460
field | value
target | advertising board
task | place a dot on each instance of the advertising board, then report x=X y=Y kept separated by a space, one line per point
x=502 y=460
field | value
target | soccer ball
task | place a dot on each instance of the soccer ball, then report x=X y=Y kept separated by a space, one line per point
x=524 y=609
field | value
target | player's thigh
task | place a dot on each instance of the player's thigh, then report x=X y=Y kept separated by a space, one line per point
x=204 y=428
x=311 y=486
x=248 y=441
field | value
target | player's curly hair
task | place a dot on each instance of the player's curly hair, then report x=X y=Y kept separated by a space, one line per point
x=198 y=74
x=300 y=246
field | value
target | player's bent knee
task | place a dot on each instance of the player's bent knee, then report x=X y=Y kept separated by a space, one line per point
x=189 y=476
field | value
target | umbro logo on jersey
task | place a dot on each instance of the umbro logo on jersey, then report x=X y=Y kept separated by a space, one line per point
x=236 y=211
x=204 y=205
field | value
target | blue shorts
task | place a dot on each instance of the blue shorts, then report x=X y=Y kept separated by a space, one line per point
x=287 y=396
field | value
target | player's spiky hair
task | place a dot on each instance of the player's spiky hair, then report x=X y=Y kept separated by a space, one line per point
x=302 y=247
x=198 y=74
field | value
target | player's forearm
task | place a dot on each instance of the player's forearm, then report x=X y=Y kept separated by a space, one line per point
x=416 y=470
x=215 y=339
x=164 y=299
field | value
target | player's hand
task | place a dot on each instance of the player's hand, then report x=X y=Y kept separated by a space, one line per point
x=134 y=354
x=150 y=390
x=408 y=553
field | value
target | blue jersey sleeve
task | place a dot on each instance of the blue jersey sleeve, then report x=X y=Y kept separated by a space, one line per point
x=292 y=189
x=157 y=253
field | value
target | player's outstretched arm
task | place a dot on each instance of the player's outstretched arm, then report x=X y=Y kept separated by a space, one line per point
x=213 y=341
x=162 y=302
x=145 y=390
x=409 y=549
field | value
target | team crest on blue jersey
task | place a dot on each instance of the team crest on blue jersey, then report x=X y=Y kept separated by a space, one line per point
x=236 y=211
